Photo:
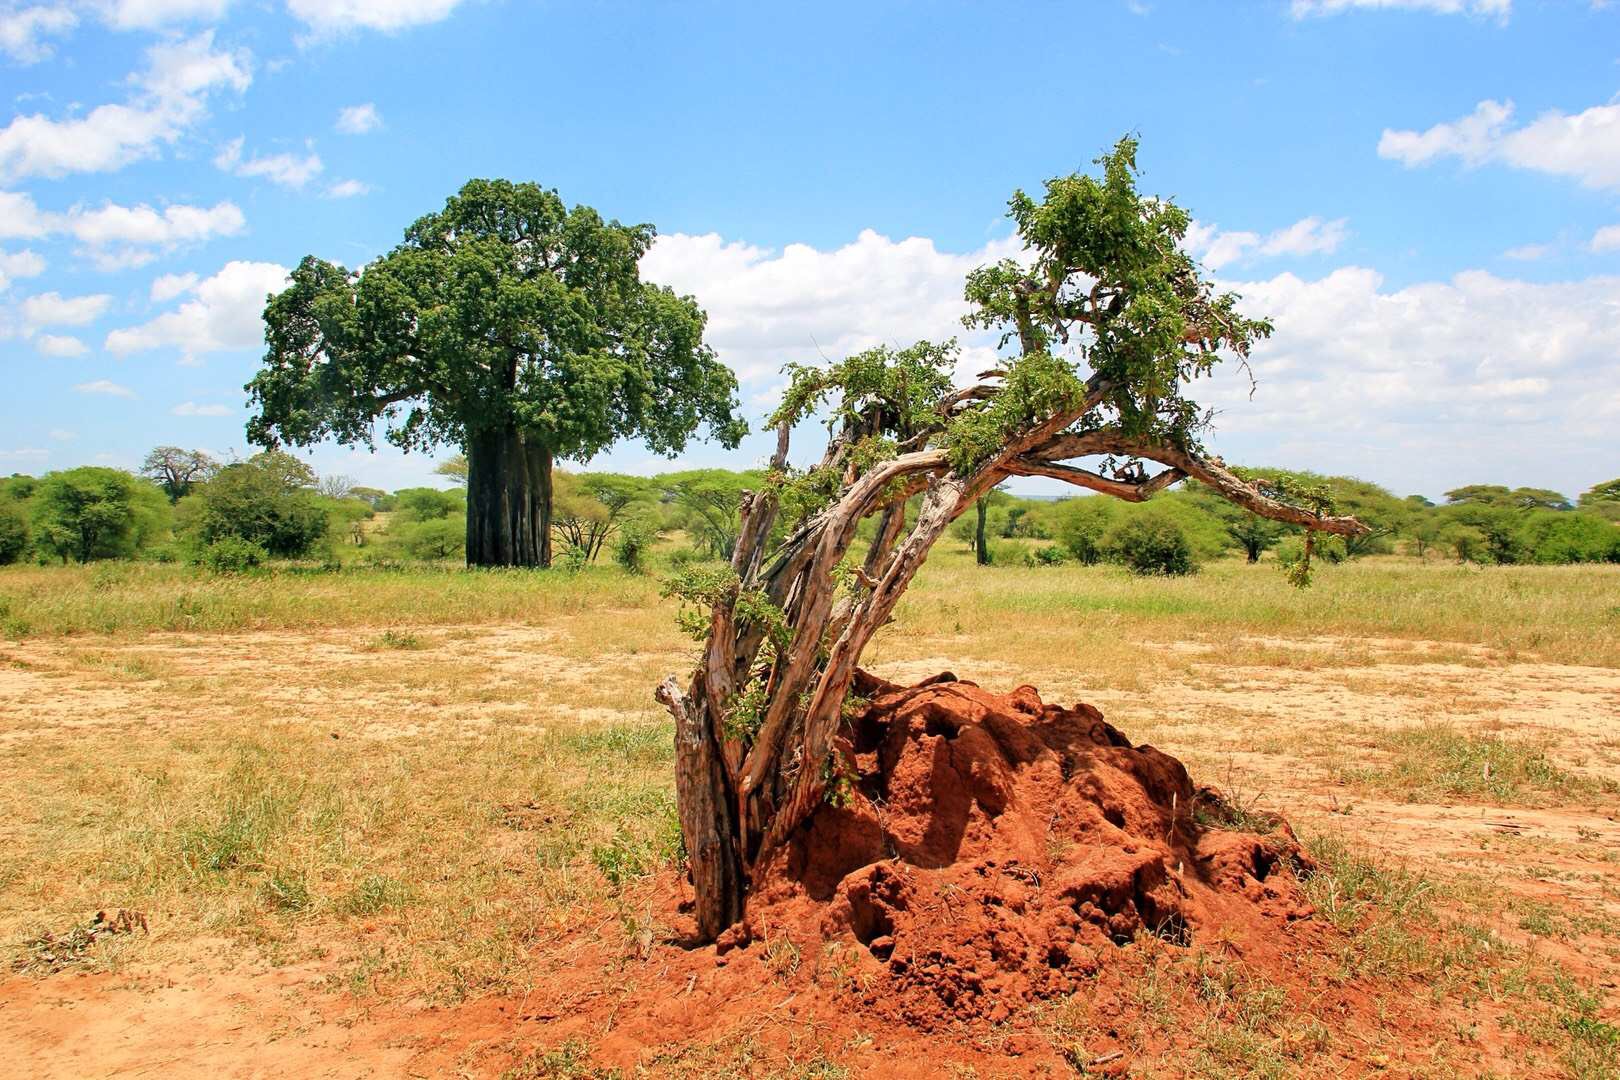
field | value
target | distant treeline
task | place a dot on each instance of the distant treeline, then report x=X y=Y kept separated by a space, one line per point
x=184 y=506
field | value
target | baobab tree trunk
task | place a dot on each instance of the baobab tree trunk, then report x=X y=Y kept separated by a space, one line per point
x=747 y=778
x=509 y=495
x=981 y=547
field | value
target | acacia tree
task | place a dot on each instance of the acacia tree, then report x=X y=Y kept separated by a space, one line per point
x=1107 y=324
x=506 y=325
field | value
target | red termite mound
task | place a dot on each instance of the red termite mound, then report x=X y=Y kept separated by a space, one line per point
x=989 y=849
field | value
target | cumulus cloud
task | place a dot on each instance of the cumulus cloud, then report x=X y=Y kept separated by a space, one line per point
x=225 y=312
x=1528 y=252
x=117 y=237
x=54 y=309
x=358 y=119
x=1606 y=239
x=104 y=386
x=1215 y=247
x=61 y=345
x=288 y=170
x=152 y=14
x=1499 y=9
x=168 y=97
x=768 y=307
x=191 y=408
x=328 y=17
x=19 y=264
x=1584 y=146
x=347 y=189
x=166 y=287
x=23 y=31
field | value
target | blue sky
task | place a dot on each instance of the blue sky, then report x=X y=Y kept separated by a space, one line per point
x=1425 y=194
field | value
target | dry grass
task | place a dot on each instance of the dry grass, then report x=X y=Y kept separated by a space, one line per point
x=416 y=778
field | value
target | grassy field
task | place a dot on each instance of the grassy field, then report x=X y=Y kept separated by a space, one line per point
x=414 y=782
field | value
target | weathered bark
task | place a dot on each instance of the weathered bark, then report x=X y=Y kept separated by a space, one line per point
x=509 y=488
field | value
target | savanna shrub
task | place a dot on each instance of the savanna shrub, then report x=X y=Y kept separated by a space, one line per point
x=630 y=550
x=1082 y=524
x=1150 y=544
x=13 y=532
x=1045 y=556
x=232 y=555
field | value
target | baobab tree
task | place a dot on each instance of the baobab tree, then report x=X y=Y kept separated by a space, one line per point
x=506 y=325
x=1103 y=330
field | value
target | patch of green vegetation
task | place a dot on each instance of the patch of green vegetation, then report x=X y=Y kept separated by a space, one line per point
x=1436 y=761
x=570 y=1061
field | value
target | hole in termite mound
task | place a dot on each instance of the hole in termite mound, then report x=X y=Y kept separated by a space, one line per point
x=1015 y=856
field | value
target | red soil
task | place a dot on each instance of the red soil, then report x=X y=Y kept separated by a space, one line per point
x=991 y=850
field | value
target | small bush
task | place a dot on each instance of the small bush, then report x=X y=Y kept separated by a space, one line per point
x=232 y=555
x=13 y=533
x=1150 y=544
x=1045 y=556
x=630 y=552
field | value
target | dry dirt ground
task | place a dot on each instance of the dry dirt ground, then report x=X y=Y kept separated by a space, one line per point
x=1298 y=724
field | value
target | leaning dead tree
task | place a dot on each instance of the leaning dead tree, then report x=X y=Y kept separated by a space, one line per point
x=1104 y=327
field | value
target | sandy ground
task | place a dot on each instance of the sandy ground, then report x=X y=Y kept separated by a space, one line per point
x=1280 y=730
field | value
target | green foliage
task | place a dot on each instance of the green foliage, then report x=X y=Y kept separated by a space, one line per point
x=13 y=532
x=902 y=388
x=1108 y=281
x=1497 y=495
x=705 y=503
x=428 y=504
x=503 y=312
x=1045 y=556
x=91 y=513
x=1036 y=385
x=1082 y=524
x=264 y=501
x=231 y=555
x=1551 y=537
x=1151 y=543
x=433 y=538
x=631 y=549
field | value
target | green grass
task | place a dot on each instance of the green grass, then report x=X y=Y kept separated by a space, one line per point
x=1437 y=761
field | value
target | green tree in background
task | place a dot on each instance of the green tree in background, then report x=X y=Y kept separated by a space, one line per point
x=266 y=500
x=90 y=513
x=506 y=325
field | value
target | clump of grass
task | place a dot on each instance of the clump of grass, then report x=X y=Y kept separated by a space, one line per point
x=48 y=952
x=375 y=893
x=397 y=639
x=285 y=891
x=570 y=1061
x=1436 y=761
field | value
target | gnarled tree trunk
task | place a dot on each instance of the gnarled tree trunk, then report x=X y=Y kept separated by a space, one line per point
x=509 y=488
x=742 y=793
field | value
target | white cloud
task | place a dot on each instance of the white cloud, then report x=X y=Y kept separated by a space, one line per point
x=104 y=386
x=19 y=264
x=768 y=307
x=168 y=286
x=1584 y=146
x=1606 y=239
x=151 y=14
x=225 y=312
x=286 y=169
x=54 y=309
x=25 y=454
x=1216 y=248
x=1499 y=9
x=1528 y=252
x=326 y=17
x=23 y=31
x=60 y=345
x=63 y=435
x=191 y=408
x=347 y=189
x=1418 y=387
x=169 y=97
x=117 y=237
x=358 y=119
